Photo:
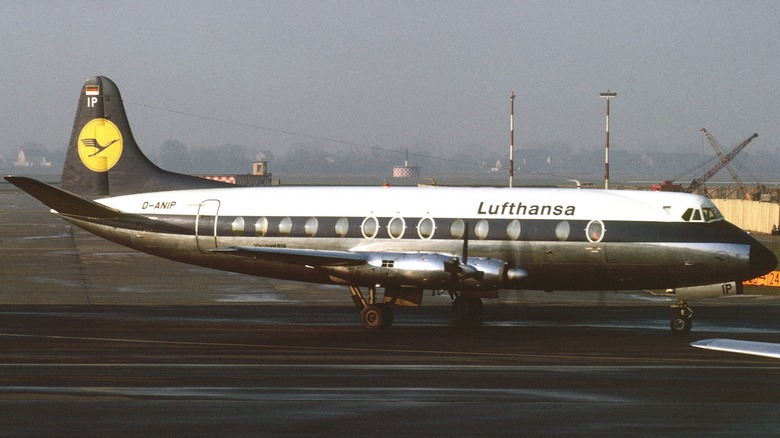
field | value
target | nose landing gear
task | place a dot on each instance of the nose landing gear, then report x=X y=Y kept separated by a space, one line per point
x=681 y=324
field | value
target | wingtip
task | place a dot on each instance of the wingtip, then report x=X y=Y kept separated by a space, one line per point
x=766 y=349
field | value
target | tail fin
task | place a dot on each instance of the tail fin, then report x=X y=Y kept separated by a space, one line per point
x=103 y=159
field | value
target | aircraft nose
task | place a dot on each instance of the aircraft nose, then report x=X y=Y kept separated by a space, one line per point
x=762 y=260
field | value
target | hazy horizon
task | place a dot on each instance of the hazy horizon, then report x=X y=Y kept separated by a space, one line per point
x=431 y=77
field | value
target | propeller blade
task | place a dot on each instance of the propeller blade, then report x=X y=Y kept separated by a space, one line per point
x=466 y=243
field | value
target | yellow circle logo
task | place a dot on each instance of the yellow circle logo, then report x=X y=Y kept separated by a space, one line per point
x=100 y=145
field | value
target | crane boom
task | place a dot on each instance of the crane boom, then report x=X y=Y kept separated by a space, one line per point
x=723 y=161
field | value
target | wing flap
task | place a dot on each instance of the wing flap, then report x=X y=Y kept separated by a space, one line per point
x=311 y=257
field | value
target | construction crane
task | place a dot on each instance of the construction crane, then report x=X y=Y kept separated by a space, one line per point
x=723 y=161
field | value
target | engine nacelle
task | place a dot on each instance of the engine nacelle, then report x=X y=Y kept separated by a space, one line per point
x=707 y=291
x=492 y=274
x=424 y=270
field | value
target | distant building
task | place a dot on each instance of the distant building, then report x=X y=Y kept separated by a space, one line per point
x=406 y=171
x=32 y=157
x=260 y=177
x=259 y=167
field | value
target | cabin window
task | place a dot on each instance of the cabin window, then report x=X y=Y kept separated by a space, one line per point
x=562 y=230
x=310 y=228
x=237 y=226
x=369 y=227
x=481 y=229
x=457 y=228
x=285 y=226
x=513 y=229
x=425 y=228
x=342 y=227
x=595 y=231
x=396 y=227
x=261 y=227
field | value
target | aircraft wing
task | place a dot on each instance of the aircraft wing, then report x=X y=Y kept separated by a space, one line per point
x=312 y=257
x=766 y=349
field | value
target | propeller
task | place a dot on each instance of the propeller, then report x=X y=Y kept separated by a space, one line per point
x=466 y=243
x=462 y=270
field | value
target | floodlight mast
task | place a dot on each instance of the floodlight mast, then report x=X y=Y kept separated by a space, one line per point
x=511 y=139
x=607 y=95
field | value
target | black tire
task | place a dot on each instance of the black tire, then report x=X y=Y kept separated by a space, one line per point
x=373 y=317
x=467 y=310
x=681 y=325
x=389 y=316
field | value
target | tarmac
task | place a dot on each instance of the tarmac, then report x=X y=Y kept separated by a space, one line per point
x=97 y=339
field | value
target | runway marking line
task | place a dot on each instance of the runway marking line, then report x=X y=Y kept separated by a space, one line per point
x=351 y=349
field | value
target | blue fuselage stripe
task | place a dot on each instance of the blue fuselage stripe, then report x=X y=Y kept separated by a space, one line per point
x=530 y=229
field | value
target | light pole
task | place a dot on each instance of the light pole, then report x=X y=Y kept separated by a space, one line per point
x=608 y=95
x=512 y=140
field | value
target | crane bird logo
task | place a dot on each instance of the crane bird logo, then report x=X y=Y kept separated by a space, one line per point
x=100 y=145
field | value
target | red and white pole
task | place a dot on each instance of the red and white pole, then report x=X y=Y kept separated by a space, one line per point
x=608 y=95
x=511 y=139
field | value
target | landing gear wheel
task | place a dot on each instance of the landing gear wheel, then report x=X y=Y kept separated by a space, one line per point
x=467 y=310
x=389 y=316
x=681 y=325
x=376 y=316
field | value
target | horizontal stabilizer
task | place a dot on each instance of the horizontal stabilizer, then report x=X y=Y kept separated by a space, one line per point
x=312 y=257
x=765 y=349
x=61 y=201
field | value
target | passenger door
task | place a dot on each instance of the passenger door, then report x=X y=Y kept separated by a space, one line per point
x=206 y=225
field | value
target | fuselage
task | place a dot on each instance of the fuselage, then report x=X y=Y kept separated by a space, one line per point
x=564 y=239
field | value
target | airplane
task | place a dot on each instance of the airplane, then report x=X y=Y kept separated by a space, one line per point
x=397 y=241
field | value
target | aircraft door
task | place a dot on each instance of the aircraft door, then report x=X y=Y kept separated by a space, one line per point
x=206 y=225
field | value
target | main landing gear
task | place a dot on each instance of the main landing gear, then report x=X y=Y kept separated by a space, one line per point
x=467 y=310
x=681 y=324
x=373 y=315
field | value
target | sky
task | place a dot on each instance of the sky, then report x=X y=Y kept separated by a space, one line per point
x=429 y=76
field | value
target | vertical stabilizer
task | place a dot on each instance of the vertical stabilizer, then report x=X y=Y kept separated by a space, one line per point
x=103 y=158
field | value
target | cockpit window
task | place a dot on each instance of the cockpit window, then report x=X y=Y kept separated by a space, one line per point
x=711 y=214
x=706 y=214
x=692 y=214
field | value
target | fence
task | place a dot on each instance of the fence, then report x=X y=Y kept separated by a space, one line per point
x=753 y=216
